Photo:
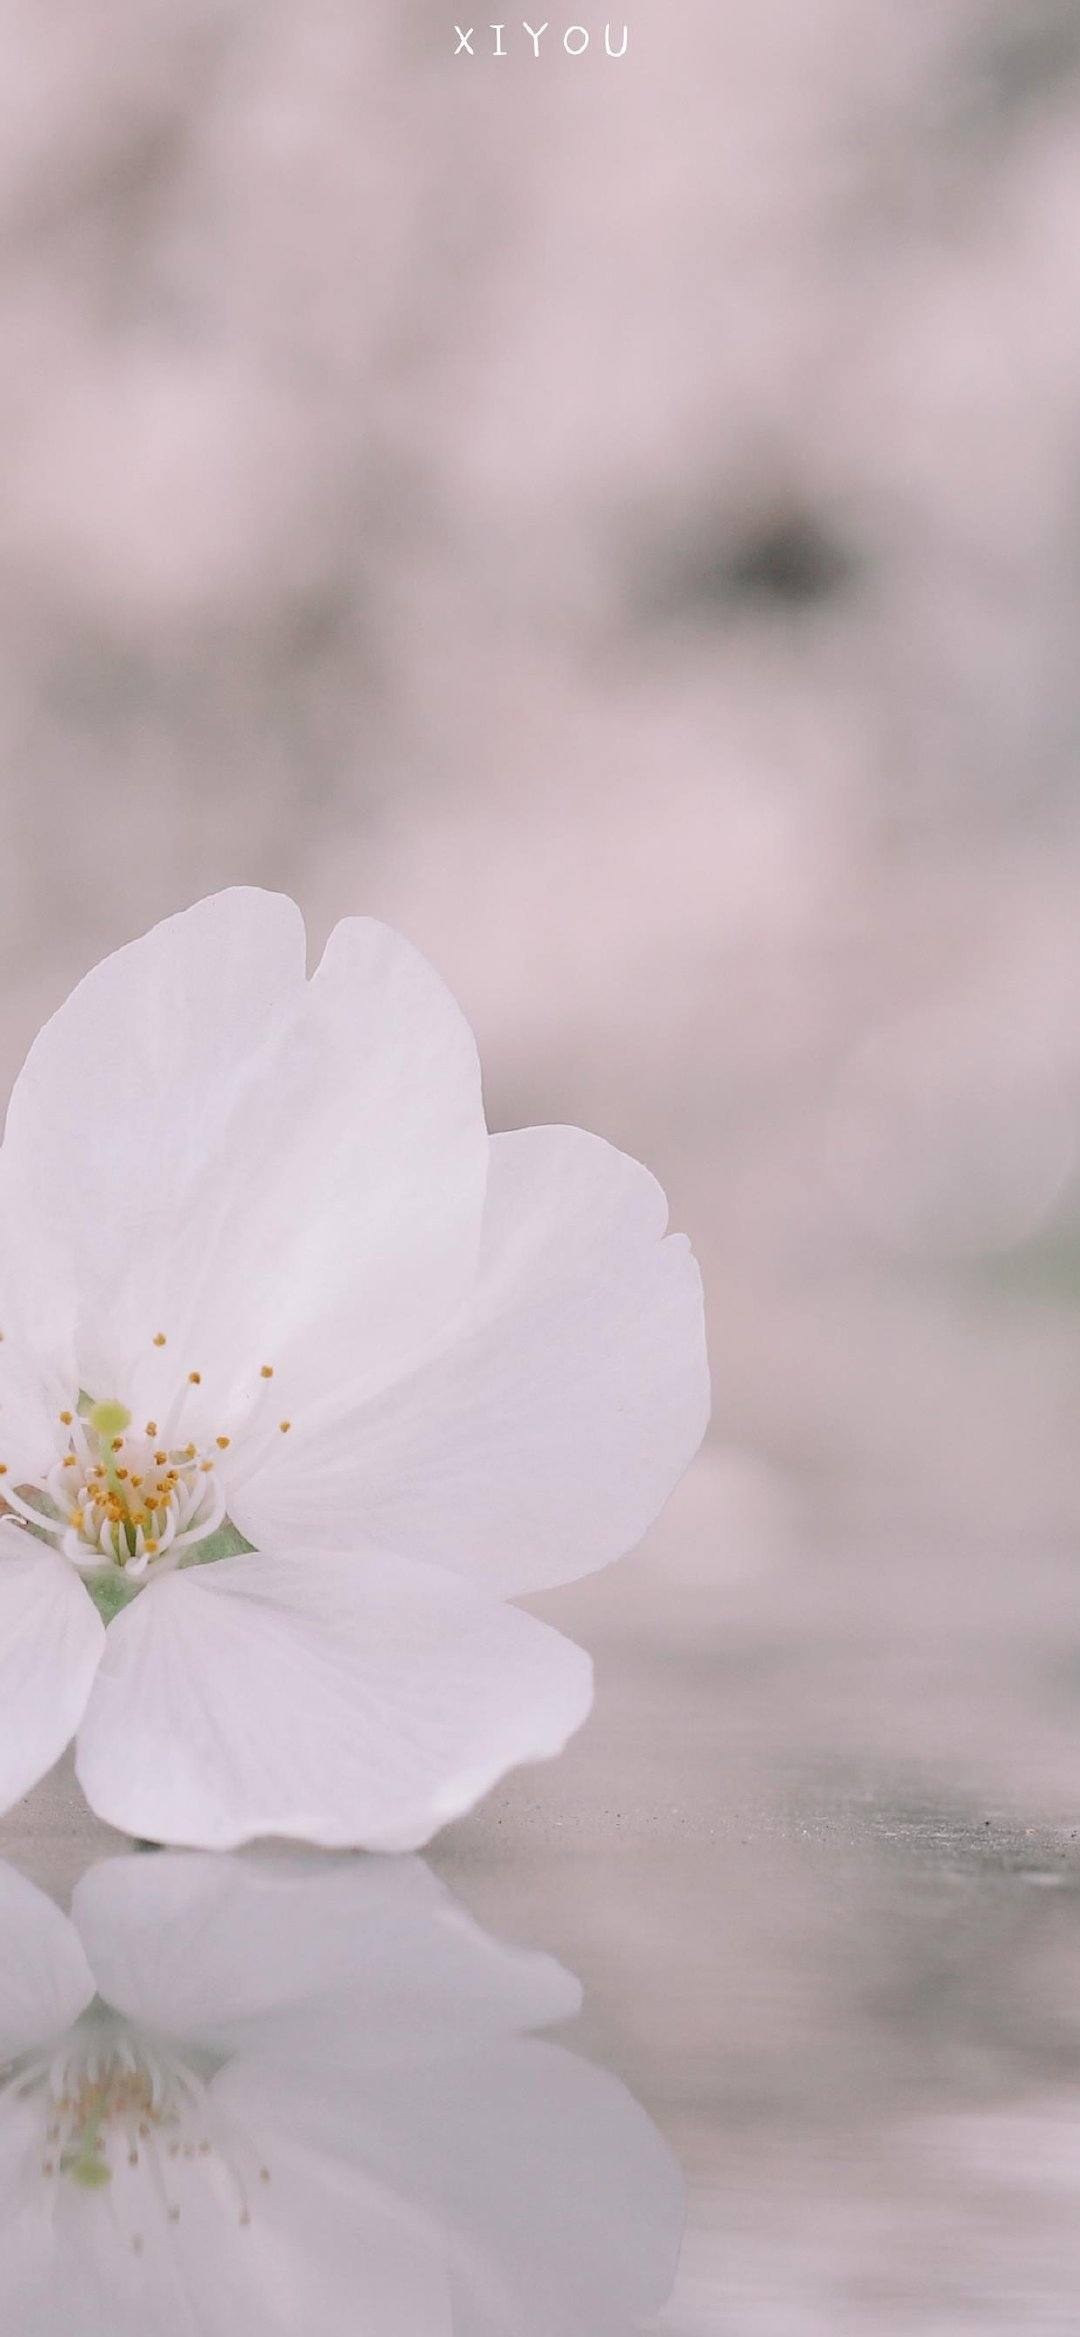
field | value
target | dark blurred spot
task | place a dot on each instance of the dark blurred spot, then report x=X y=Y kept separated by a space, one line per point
x=786 y=561
x=1028 y=56
x=1046 y=1267
x=792 y=560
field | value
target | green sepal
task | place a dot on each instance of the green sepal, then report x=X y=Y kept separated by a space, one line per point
x=110 y=1589
x=226 y=1543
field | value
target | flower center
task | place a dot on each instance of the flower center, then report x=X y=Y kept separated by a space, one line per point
x=126 y=1500
x=117 y=1496
x=120 y=2111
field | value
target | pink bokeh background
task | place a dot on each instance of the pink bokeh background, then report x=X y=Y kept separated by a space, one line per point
x=620 y=522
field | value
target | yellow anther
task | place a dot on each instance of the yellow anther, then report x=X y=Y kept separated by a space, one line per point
x=151 y=1428
x=284 y=1426
x=190 y=1451
x=159 y=1338
x=69 y=1462
x=160 y=1460
x=206 y=1467
x=67 y=1418
x=3 y=1468
x=117 y=1444
x=153 y=1549
x=222 y=1443
x=135 y=1482
x=195 y=1379
x=77 y=1518
x=121 y=1473
x=266 y=1371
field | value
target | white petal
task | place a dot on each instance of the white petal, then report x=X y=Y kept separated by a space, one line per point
x=51 y=1640
x=307 y=1956
x=327 y=2249
x=31 y=1395
x=558 y=2204
x=542 y=1440
x=45 y=1980
x=264 y=1169
x=119 y=1106
x=342 y=1700
x=360 y=1178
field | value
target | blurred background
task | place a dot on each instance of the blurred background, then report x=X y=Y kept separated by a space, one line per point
x=620 y=522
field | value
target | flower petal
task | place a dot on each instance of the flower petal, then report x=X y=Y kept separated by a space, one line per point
x=31 y=1395
x=120 y=1104
x=343 y=1700
x=558 y=2205
x=364 y=1169
x=51 y=1640
x=307 y=1956
x=45 y=1980
x=542 y=1439
x=204 y=1144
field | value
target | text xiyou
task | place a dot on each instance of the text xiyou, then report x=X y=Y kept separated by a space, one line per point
x=496 y=40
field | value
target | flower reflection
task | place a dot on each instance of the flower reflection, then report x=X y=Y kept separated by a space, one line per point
x=264 y=2094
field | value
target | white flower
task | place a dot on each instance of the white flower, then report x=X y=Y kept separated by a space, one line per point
x=270 y=1295
x=244 y=2097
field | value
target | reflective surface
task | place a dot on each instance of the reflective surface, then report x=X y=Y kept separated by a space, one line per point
x=278 y=2092
x=838 y=1999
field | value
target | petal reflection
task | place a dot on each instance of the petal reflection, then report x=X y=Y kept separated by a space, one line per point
x=254 y=2094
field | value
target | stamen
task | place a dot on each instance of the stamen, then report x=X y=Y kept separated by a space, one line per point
x=33 y=1517
x=100 y=1509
